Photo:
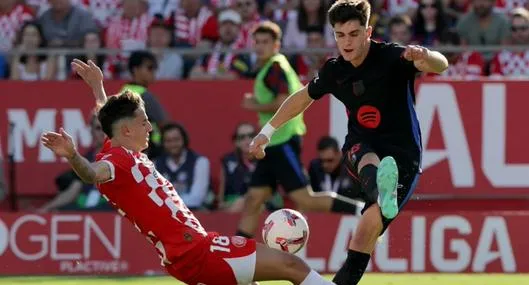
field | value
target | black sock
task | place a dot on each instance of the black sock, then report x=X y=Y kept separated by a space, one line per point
x=243 y=234
x=339 y=206
x=368 y=178
x=353 y=268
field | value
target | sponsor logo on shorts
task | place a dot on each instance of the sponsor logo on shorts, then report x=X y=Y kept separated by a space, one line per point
x=238 y=241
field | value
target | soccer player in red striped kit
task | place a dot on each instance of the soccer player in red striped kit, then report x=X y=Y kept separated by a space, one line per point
x=130 y=182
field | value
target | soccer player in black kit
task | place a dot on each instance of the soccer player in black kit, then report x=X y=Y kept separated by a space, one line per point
x=375 y=81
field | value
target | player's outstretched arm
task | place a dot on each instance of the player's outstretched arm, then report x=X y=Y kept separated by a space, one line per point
x=62 y=145
x=294 y=105
x=93 y=77
x=426 y=60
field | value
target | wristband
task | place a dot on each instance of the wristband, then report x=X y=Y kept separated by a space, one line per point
x=268 y=131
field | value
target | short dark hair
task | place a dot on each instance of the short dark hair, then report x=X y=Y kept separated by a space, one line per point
x=343 y=11
x=327 y=142
x=118 y=107
x=268 y=27
x=180 y=128
x=137 y=58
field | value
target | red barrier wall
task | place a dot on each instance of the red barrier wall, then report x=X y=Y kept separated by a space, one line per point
x=474 y=133
x=210 y=112
x=106 y=244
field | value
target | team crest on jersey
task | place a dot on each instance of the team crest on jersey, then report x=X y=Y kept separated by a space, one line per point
x=188 y=237
x=359 y=88
x=238 y=241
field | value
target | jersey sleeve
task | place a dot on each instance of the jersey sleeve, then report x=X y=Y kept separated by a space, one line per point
x=323 y=83
x=402 y=65
x=119 y=162
x=276 y=80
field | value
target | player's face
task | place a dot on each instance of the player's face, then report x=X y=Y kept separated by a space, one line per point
x=352 y=39
x=265 y=46
x=330 y=159
x=138 y=129
x=173 y=142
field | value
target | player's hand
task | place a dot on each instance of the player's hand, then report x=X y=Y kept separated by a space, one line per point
x=258 y=145
x=89 y=72
x=413 y=53
x=60 y=143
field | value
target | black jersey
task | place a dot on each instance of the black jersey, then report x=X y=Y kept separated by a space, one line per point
x=379 y=96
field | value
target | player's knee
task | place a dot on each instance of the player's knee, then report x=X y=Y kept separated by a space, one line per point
x=295 y=268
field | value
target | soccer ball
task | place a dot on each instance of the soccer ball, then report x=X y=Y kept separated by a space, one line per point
x=286 y=230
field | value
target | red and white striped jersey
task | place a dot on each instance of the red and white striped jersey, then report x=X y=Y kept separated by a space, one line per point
x=150 y=202
x=192 y=30
x=103 y=10
x=511 y=64
x=469 y=65
x=10 y=24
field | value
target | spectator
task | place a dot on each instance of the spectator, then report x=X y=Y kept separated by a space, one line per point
x=187 y=170
x=394 y=8
x=171 y=64
x=378 y=20
x=311 y=13
x=400 y=30
x=12 y=18
x=195 y=24
x=127 y=32
x=223 y=65
x=92 y=42
x=468 y=65
x=512 y=63
x=32 y=67
x=65 y=25
x=430 y=23
x=278 y=11
x=74 y=194
x=41 y=6
x=3 y=184
x=327 y=173
x=250 y=18
x=455 y=9
x=307 y=65
x=166 y=8
x=3 y=67
x=483 y=26
x=236 y=170
x=103 y=10
x=506 y=6
x=142 y=67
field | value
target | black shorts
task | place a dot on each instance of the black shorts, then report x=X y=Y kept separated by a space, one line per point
x=281 y=165
x=409 y=172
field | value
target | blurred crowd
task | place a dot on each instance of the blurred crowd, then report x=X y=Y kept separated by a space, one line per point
x=190 y=173
x=130 y=25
